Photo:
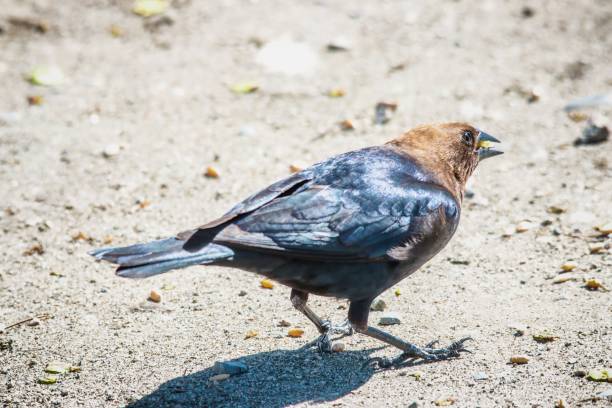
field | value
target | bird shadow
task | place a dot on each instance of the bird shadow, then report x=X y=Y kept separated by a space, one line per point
x=274 y=379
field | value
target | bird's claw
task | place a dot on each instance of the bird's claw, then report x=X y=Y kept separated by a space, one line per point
x=324 y=342
x=427 y=354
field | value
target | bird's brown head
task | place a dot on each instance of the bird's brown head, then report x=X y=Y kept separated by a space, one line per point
x=451 y=151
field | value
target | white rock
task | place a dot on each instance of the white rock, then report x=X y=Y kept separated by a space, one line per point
x=286 y=56
x=111 y=150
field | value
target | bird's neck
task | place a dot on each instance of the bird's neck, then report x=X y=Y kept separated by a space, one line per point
x=436 y=167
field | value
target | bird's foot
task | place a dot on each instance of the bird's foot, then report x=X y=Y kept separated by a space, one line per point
x=427 y=354
x=324 y=342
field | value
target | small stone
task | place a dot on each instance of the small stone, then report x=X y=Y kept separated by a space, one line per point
x=219 y=377
x=445 y=402
x=347 y=124
x=338 y=347
x=593 y=134
x=561 y=403
x=250 y=334
x=211 y=172
x=294 y=169
x=480 y=375
x=295 y=332
x=111 y=151
x=389 y=319
x=339 y=44
x=33 y=323
x=568 y=267
x=413 y=404
x=230 y=367
x=564 y=278
x=518 y=330
x=597 y=248
x=607 y=394
x=605 y=229
x=519 y=359
x=154 y=297
x=247 y=131
x=580 y=373
x=242 y=293
x=284 y=323
x=266 y=284
x=378 y=305
x=553 y=209
x=523 y=226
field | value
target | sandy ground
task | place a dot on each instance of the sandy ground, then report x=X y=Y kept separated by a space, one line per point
x=160 y=92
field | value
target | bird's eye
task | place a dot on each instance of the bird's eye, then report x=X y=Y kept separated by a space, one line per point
x=467 y=137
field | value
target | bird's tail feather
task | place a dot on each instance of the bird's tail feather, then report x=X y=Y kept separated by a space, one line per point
x=153 y=258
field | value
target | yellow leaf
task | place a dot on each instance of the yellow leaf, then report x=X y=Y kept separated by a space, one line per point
x=336 y=93
x=244 y=87
x=148 y=8
x=266 y=284
x=46 y=76
x=600 y=375
x=295 y=332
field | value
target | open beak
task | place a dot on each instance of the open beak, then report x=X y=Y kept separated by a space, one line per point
x=485 y=146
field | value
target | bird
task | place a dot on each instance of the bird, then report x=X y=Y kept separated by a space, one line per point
x=349 y=227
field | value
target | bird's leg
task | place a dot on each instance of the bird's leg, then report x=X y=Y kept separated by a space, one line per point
x=358 y=316
x=325 y=327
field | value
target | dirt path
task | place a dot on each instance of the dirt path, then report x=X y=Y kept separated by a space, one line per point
x=117 y=154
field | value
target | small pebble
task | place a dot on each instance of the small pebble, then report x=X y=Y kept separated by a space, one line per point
x=295 y=332
x=523 y=226
x=338 y=347
x=284 y=323
x=561 y=403
x=219 y=377
x=568 y=267
x=479 y=376
x=378 y=305
x=33 y=323
x=250 y=334
x=607 y=394
x=519 y=359
x=605 y=228
x=389 y=319
x=110 y=151
x=247 y=131
x=593 y=134
x=266 y=284
x=211 y=172
x=230 y=367
x=597 y=248
x=564 y=278
x=154 y=297
x=242 y=293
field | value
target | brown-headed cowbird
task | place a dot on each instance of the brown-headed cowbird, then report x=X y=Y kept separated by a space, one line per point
x=349 y=227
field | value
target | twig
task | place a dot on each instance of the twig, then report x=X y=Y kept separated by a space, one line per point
x=42 y=316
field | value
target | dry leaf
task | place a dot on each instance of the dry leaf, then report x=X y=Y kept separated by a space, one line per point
x=250 y=334
x=564 y=278
x=57 y=367
x=36 y=249
x=48 y=379
x=568 y=267
x=336 y=93
x=544 y=337
x=603 y=375
x=294 y=169
x=595 y=284
x=397 y=292
x=116 y=31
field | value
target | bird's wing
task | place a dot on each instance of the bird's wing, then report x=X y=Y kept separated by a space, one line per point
x=201 y=236
x=326 y=223
x=363 y=205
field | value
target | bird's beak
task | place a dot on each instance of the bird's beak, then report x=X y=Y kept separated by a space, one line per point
x=485 y=146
